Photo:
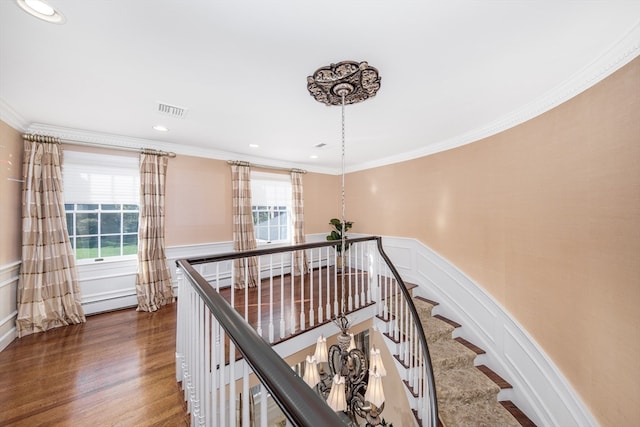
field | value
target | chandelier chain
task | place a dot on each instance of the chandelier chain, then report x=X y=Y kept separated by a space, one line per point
x=343 y=208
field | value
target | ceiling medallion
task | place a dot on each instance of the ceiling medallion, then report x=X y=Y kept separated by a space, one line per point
x=356 y=81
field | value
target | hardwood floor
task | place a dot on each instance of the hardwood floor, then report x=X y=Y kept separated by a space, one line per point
x=118 y=369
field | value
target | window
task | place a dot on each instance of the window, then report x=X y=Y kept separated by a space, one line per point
x=271 y=207
x=101 y=204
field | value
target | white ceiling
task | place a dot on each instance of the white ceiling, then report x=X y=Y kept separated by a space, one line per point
x=452 y=72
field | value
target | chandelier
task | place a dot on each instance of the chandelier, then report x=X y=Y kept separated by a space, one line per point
x=354 y=382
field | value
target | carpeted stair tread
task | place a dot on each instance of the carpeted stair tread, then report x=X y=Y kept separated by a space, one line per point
x=478 y=415
x=435 y=329
x=464 y=385
x=424 y=307
x=450 y=354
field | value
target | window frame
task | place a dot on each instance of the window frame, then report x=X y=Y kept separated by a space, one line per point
x=72 y=209
x=123 y=175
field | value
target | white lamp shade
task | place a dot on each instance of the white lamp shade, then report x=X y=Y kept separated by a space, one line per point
x=321 y=354
x=337 y=399
x=374 y=393
x=375 y=362
x=311 y=375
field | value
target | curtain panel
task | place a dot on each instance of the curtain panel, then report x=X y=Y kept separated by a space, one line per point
x=48 y=286
x=153 y=280
x=300 y=263
x=245 y=270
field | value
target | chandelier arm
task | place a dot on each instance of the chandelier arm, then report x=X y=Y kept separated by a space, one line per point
x=335 y=355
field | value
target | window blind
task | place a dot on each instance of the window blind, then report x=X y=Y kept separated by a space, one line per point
x=270 y=189
x=100 y=178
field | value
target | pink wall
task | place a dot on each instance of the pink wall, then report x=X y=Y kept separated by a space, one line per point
x=546 y=218
x=199 y=201
x=11 y=194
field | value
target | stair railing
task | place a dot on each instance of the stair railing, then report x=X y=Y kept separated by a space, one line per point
x=205 y=319
x=396 y=308
x=207 y=367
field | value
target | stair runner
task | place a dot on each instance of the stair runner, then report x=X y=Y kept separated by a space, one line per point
x=467 y=395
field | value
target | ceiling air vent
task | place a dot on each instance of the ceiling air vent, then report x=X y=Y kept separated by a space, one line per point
x=172 y=110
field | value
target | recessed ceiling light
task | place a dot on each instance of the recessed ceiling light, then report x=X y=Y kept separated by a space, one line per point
x=313 y=156
x=254 y=145
x=161 y=128
x=41 y=10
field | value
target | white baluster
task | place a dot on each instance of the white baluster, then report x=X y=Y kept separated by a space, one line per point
x=346 y=269
x=271 y=326
x=328 y=312
x=246 y=289
x=259 y=285
x=302 y=314
x=245 y=396
x=213 y=374
x=282 y=322
x=320 y=312
x=263 y=406
x=312 y=319
x=292 y=326
x=222 y=384
x=232 y=383
x=336 y=307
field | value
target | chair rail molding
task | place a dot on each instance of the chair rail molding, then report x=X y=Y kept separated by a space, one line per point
x=539 y=388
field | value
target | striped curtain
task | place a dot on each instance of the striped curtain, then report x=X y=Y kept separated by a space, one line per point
x=246 y=269
x=48 y=286
x=153 y=280
x=300 y=264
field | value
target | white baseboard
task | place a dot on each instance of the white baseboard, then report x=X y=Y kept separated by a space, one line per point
x=9 y=275
x=12 y=333
x=539 y=388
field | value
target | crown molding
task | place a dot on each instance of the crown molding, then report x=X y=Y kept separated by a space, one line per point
x=116 y=141
x=11 y=117
x=626 y=49
x=619 y=54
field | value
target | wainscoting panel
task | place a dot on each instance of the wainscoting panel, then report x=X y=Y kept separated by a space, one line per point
x=108 y=285
x=8 y=303
x=540 y=389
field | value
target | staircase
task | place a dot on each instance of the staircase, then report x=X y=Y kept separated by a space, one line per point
x=467 y=394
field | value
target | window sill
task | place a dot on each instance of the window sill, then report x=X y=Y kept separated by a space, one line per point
x=107 y=260
x=263 y=245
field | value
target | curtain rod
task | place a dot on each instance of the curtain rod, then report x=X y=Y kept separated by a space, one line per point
x=55 y=140
x=242 y=163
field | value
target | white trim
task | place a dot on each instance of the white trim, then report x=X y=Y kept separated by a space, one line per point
x=539 y=388
x=9 y=273
x=9 y=276
x=91 y=137
x=198 y=250
x=9 y=336
x=11 y=117
x=619 y=54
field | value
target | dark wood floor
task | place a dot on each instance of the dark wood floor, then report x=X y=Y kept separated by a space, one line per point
x=118 y=369
x=354 y=280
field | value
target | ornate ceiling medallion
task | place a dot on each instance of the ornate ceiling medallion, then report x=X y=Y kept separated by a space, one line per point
x=356 y=81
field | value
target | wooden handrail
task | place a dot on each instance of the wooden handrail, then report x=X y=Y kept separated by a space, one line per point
x=433 y=402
